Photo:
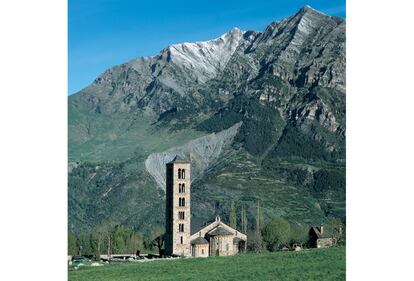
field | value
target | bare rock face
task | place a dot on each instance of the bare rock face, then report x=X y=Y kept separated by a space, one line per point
x=203 y=153
x=205 y=59
x=306 y=49
x=318 y=111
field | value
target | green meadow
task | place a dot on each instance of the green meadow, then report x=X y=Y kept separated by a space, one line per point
x=312 y=264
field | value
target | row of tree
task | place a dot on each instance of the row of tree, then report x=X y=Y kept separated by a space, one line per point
x=278 y=232
x=272 y=235
x=105 y=239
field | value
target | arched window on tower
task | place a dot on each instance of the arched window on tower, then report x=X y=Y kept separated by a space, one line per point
x=182 y=188
x=179 y=173
x=183 y=174
x=179 y=188
x=181 y=202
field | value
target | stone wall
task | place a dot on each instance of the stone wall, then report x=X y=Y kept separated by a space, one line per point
x=324 y=242
x=221 y=245
x=200 y=250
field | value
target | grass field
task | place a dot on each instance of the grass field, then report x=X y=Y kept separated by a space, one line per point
x=315 y=264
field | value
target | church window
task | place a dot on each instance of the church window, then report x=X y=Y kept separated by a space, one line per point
x=181 y=215
x=202 y=251
x=181 y=202
x=183 y=174
x=179 y=173
x=181 y=227
x=181 y=240
x=182 y=188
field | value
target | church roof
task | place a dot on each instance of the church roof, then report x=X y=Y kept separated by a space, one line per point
x=178 y=159
x=199 y=240
x=219 y=230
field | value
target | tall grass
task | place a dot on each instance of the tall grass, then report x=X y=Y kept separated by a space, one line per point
x=315 y=264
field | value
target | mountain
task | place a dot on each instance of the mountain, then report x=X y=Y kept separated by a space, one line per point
x=261 y=116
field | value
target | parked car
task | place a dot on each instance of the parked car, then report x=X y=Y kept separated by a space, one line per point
x=83 y=258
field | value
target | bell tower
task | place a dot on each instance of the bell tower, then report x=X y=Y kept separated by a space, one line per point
x=177 y=211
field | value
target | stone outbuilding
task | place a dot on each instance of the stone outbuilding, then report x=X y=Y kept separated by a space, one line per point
x=323 y=237
x=200 y=247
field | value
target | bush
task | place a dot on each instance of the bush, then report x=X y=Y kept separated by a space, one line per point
x=255 y=242
x=299 y=235
x=276 y=233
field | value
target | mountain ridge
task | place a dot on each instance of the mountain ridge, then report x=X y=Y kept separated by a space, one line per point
x=285 y=87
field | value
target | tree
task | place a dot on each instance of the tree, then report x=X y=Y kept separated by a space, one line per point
x=276 y=233
x=243 y=220
x=99 y=233
x=85 y=246
x=233 y=215
x=107 y=234
x=120 y=236
x=156 y=238
x=135 y=242
x=299 y=235
x=72 y=244
x=338 y=230
x=342 y=235
x=255 y=242
x=259 y=218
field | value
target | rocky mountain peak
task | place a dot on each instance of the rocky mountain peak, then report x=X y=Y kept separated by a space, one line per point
x=308 y=9
x=205 y=58
x=286 y=49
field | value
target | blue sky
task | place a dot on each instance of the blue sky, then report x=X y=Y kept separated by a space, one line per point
x=104 y=33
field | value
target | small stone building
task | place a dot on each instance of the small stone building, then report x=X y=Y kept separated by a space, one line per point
x=323 y=237
x=200 y=247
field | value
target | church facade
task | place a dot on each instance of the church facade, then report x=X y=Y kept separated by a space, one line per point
x=214 y=239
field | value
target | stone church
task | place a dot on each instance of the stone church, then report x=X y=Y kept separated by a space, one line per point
x=214 y=239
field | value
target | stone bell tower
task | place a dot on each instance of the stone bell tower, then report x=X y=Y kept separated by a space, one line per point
x=177 y=211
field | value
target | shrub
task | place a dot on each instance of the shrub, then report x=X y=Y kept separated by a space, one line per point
x=255 y=242
x=276 y=233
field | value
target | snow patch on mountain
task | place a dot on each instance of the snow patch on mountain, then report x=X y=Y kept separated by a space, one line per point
x=205 y=59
